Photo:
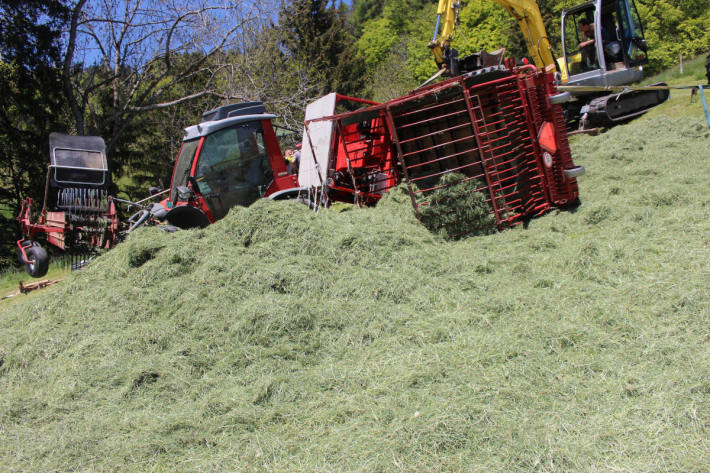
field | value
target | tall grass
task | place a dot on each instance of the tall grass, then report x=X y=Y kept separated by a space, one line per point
x=282 y=340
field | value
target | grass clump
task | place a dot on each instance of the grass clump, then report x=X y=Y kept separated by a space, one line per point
x=456 y=210
x=279 y=339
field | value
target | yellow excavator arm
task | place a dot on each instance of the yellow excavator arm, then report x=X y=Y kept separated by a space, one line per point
x=527 y=14
x=446 y=16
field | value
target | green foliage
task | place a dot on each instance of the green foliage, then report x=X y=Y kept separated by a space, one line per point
x=363 y=11
x=456 y=210
x=378 y=38
x=316 y=34
x=31 y=104
x=485 y=25
x=391 y=77
x=675 y=28
x=146 y=149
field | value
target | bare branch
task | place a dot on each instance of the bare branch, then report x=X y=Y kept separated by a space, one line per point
x=187 y=98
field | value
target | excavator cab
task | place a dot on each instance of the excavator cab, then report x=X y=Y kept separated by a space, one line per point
x=602 y=43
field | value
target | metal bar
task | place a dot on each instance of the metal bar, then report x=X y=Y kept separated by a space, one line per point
x=400 y=158
x=355 y=99
x=78 y=167
x=442 y=158
x=457 y=140
x=604 y=88
x=153 y=196
x=705 y=105
x=446 y=171
x=428 y=119
x=437 y=132
x=46 y=191
x=470 y=107
x=374 y=107
x=427 y=109
x=347 y=160
x=471 y=178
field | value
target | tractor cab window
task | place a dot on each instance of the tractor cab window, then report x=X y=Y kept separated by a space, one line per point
x=183 y=166
x=233 y=167
x=613 y=57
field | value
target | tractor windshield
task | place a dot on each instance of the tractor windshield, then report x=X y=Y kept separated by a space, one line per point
x=183 y=166
x=233 y=167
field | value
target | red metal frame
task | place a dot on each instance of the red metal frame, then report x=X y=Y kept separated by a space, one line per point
x=55 y=226
x=487 y=130
x=361 y=161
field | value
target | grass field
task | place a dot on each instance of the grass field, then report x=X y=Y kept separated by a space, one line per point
x=282 y=340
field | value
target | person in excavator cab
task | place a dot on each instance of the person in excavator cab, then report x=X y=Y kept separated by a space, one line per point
x=588 y=45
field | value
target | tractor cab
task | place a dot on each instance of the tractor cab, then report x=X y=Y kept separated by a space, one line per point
x=603 y=44
x=232 y=157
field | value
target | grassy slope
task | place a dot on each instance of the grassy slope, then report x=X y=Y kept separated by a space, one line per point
x=10 y=282
x=281 y=340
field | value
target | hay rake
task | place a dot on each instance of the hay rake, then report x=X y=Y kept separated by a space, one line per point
x=84 y=218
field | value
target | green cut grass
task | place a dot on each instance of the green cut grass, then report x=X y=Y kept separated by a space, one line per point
x=456 y=210
x=283 y=340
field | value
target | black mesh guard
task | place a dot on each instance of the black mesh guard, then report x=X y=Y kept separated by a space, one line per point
x=78 y=161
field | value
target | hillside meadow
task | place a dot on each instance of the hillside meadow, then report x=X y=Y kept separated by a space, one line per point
x=283 y=340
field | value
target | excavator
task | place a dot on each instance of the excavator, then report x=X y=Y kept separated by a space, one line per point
x=603 y=45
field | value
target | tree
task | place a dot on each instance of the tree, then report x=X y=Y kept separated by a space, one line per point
x=674 y=28
x=31 y=104
x=317 y=35
x=128 y=57
x=261 y=69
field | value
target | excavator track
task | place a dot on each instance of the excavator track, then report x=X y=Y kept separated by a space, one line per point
x=613 y=109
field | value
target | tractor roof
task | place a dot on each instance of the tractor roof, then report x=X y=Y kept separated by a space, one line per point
x=206 y=128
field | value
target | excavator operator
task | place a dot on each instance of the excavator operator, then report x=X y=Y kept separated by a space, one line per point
x=588 y=46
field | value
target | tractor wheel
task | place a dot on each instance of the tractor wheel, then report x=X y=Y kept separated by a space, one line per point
x=38 y=261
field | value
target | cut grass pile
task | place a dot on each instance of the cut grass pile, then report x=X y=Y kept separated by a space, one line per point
x=282 y=340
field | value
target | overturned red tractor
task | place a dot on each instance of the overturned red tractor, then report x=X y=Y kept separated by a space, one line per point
x=498 y=132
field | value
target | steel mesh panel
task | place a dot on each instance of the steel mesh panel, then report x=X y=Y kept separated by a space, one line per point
x=506 y=141
x=478 y=136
